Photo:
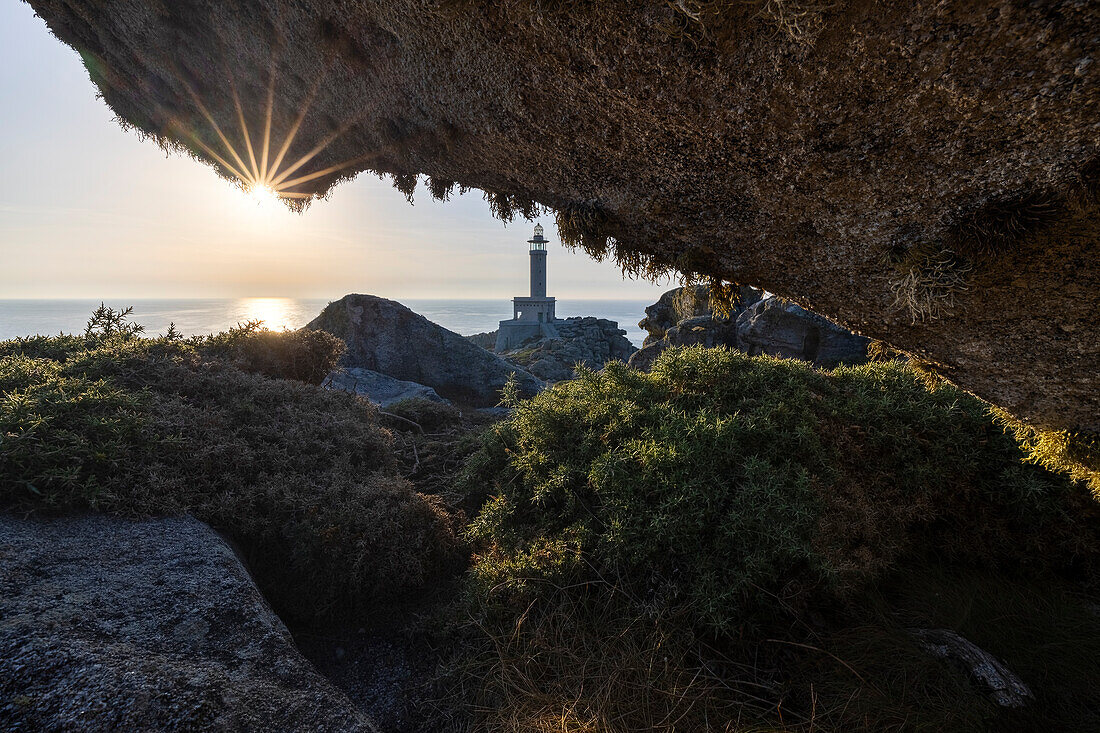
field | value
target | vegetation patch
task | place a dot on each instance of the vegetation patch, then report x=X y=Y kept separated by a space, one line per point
x=661 y=550
x=304 y=480
x=928 y=283
x=1075 y=454
x=999 y=225
x=762 y=481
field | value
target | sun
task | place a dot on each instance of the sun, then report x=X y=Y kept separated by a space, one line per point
x=263 y=196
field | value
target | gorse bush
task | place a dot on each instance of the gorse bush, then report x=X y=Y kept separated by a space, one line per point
x=107 y=322
x=710 y=546
x=734 y=488
x=305 y=355
x=303 y=479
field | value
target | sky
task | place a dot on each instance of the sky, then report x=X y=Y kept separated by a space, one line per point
x=88 y=210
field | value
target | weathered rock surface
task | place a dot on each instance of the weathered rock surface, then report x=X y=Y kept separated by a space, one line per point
x=988 y=672
x=378 y=388
x=685 y=317
x=108 y=624
x=757 y=325
x=589 y=341
x=927 y=174
x=487 y=340
x=386 y=337
x=777 y=327
x=689 y=302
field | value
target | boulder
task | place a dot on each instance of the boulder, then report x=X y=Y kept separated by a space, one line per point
x=685 y=317
x=378 y=388
x=386 y=337
x=692 y=301
x=108 y=624
x=589 y=341
x=778 y=327
x=925 y=173
x=757 y=325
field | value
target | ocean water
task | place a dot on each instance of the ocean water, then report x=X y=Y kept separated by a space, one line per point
x=203 y=316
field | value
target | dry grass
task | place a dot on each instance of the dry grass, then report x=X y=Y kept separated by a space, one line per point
x=1075 y=454
x=800 y=20
x=927 y=289
x=579 y=659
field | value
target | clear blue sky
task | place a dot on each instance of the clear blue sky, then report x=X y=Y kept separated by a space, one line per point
x=90 y=211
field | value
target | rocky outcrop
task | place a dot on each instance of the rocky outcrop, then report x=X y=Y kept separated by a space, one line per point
x=487 y=340
x=685 y=317
x=686 y=303
x=589 y=341
x=378 y=388
x=755 y=325
x=927 y=174
x=108 y=624
x=777 y=327
x=386 y=337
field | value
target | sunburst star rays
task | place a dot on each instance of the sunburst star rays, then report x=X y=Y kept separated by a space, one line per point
x=260 y=172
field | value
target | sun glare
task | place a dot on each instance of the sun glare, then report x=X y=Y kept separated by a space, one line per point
x=276 y=313
x=263 y=196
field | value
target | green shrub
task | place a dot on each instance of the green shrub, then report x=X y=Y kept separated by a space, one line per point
x=303 y=479
x=731 y=486
x=712 y=545
x=305 y=355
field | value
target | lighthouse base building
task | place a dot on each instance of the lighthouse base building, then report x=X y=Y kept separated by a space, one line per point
x=533 y=317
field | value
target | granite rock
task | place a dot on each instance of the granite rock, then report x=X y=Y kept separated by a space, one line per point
x=778 y=327
x=108 y=624
x=378 y=388
x=386 y=337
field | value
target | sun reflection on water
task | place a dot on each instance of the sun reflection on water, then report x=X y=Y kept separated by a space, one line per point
x=276 y=313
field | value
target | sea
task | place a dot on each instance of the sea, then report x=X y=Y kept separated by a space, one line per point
x=204 y=316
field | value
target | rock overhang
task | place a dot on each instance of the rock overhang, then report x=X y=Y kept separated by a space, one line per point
x=926 y=174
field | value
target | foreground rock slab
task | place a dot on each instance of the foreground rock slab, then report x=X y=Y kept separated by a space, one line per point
x=108 y=624
x=925 y=174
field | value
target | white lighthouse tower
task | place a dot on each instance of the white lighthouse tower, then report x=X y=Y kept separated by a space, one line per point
x=532 y=316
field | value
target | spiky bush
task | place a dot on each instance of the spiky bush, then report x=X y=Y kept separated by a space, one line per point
x=734 y=488
x=304 y=355
x=719 y=544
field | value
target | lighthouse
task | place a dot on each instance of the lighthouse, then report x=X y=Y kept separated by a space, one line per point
x=532 y=316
